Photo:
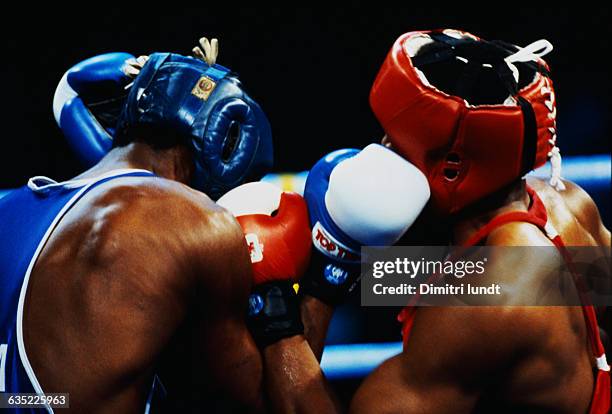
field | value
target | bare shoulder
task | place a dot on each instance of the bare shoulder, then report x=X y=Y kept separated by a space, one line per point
x=582 y=205
x=574 y=197
x=579 y=205
x=159 y=206
x=157 y=224
x=156 y=200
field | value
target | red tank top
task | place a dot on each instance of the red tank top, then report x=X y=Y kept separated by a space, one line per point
x=536 y=215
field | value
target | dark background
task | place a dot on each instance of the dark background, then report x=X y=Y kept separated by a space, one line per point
x=310 y=68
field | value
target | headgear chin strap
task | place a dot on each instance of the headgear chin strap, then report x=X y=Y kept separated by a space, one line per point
x=473 y=115
x=229 y=133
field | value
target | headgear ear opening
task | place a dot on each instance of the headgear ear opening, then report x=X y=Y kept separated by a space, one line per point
x=231 y=141
x=230 y=134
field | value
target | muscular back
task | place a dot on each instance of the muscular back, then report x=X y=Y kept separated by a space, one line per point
x=118 y=277
x=557 y=374
x=528 y=359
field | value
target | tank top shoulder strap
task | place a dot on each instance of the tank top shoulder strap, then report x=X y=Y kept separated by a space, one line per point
x=42 y=185
x=537 y=216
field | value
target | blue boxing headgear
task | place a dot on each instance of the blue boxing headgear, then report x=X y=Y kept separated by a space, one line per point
x=229 y=133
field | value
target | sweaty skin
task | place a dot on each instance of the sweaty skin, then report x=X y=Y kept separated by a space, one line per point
x=143 y=273
x=524 y=359
x=485 y=359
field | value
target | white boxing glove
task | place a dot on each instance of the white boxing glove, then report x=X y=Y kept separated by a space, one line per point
x=357 y=198
x=375 y=196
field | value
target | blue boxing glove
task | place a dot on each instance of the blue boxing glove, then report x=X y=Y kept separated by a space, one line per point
x=357 y=198
x=89 y=99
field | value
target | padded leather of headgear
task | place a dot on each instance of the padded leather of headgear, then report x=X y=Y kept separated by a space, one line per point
x=230 y=134
x=466 y=151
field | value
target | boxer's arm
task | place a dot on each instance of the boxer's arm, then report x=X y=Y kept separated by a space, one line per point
x=294 y=380
x=276 y=228
x=316 y=316
x=89 y=98
x=229 y=349
x=450 y=356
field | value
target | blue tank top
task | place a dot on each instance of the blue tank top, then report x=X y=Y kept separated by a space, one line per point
x=28 y=216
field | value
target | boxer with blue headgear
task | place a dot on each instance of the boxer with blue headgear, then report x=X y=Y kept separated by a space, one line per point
x=113 y=275
x=206 y=106
x=173 y=100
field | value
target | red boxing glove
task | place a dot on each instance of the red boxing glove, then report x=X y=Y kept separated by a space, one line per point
x=277 y=231
x=276 y=228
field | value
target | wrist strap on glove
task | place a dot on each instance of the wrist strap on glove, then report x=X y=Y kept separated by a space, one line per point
x=329 y=282
x=274 y=312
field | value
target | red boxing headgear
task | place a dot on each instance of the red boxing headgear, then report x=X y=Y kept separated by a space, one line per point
x=491 y=123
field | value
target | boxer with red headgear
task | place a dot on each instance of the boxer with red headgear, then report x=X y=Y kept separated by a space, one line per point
x=475 y=117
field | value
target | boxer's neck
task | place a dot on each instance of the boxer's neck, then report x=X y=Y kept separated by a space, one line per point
x=175 y=163
x=471 y=220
